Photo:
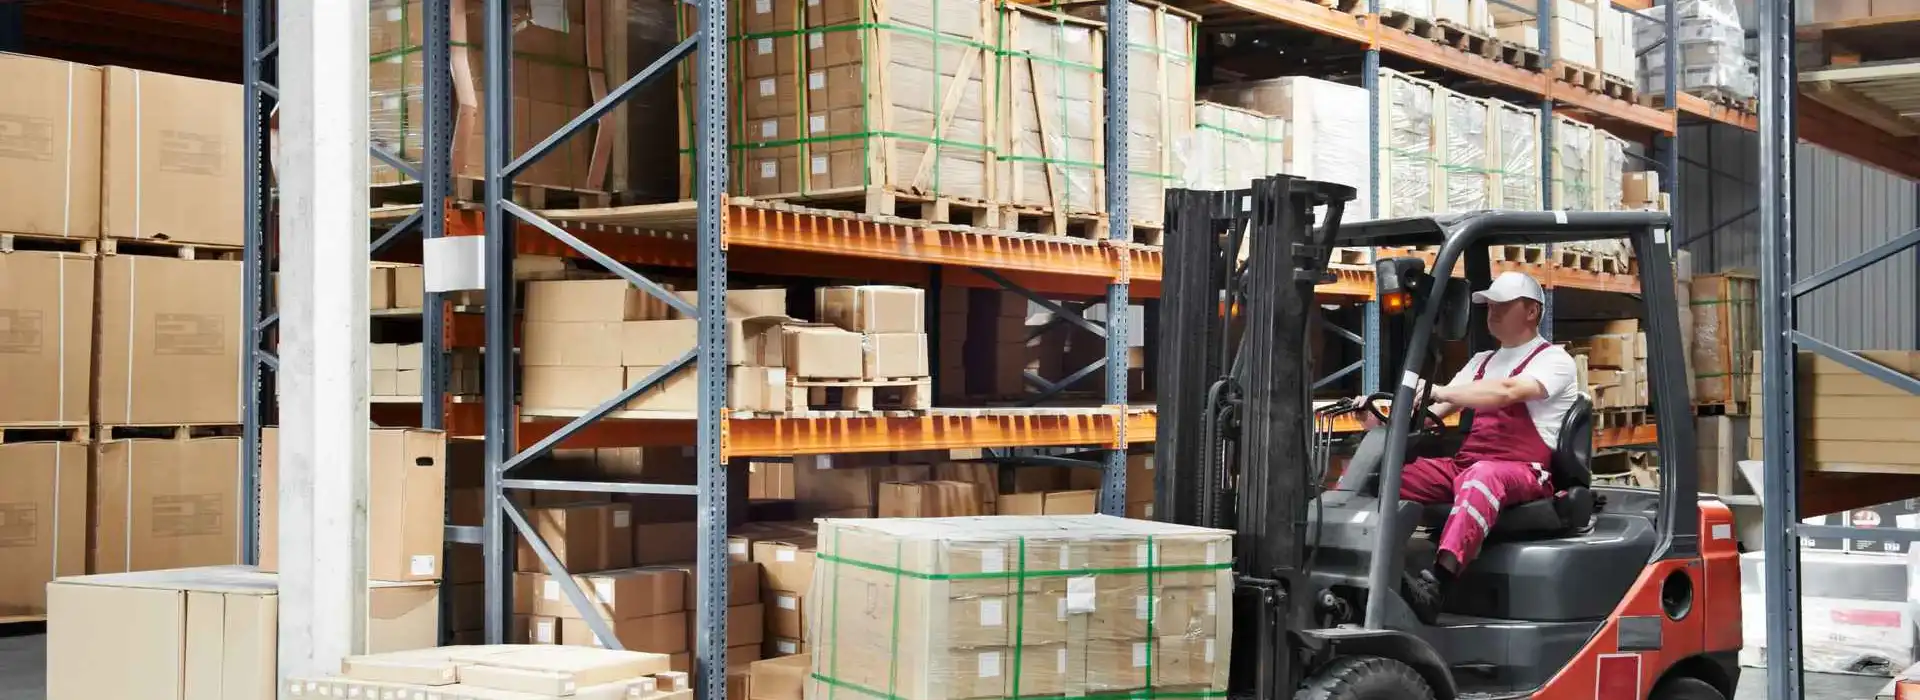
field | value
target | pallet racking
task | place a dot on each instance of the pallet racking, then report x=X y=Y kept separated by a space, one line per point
x=716 y=234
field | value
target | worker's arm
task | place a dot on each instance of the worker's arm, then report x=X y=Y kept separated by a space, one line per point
x=1488 y=394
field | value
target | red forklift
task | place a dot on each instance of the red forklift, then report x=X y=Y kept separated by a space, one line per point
x=1597 y=592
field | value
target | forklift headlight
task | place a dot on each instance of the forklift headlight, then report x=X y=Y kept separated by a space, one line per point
x=1395 y=302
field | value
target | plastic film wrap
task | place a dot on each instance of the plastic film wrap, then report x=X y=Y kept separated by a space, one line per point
x=1407 y=115
x=1517 y=151
x=1160 y=97
x=1859 y=615
x=1051 y=98
x=1611 y=157
x=1019 y=607
x=1417 y=8
x=1574 y=169
x=1467 y=165
x=1326 y=129
x=1711 y=44
x=1231 y=147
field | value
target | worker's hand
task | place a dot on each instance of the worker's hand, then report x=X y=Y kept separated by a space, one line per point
x=1367 y=419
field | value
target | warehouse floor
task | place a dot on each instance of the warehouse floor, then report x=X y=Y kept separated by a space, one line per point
x=23 y=675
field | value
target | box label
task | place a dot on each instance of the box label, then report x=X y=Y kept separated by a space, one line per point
x=1080 y=590
x=1142 y=607
x=1139 y=654
x=736 y=548
x=189 y=334
x=817 y=123
x=819 y=165
x=786 y=647
x=989 y=664
x=25 y=137
x=191 y=153
x=603 y=589
x=787 y=602
x=817 y=80
x=186 y=515
x=550 y=589
x=19 y=524
x=551 y=14
x=21 y=331
x=769 y=128
x=622 y=518
x=543 y=632
x=816 y=41
x=993 y=560
x=420 y=565
x=992 y=612
x=766 y=87
x=768 y=170
x=763 y=46
x=784 y=555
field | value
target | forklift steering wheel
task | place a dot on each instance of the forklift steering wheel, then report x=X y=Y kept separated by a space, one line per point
x=1433 y=423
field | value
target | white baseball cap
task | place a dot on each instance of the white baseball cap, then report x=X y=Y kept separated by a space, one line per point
x=1510 y=286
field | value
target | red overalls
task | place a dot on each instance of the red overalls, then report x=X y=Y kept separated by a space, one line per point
x=1503 y=462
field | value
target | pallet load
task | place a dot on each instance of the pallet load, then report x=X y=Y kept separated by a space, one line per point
x=1516 y=154
x=1052 y=117
x=1407 y=167
x=1619 y=61
x=1514 y=25
x=1575 y=171
x=982 y=607
x=171 y=161
x=1726 y=333
x=1610 y=157
x=1848 y=421
x=1463 y=140
x=558 y=55
x=871 y=351
x=1615 y=358
x=500 y=671
x=1327 y=126
x=1575 y=35
x=1468 y=15
x=1711 y=45
x=1232 y=147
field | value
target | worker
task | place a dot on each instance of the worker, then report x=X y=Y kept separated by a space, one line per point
x=1520 y=394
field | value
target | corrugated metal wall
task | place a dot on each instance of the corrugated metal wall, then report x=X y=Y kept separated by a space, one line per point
x=1844 y=207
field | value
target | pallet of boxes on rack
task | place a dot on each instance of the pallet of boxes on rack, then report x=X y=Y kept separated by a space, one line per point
x=560 y=53
x=1611 y=362
x=1311 y=128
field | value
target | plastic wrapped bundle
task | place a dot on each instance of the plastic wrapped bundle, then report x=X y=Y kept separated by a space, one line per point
x=1574 y=169
x=1611 y=157
x=1019 y=606
x=1326 y=129
x=1160 y=92
x=1407 y=148
x=1711 y=44
x=1517 y=155
x=1465 y=159
x=1052 y=104
x=1232 y=147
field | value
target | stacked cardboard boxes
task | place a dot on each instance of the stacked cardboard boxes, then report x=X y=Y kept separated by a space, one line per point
x=1726 y=333
x=1232 y=147
x=1326 y=128
x=1710 y=43
x=1849 y=421
x=1005 y=615
x=1618 y=58
x=501 y=671
x=1615 y=358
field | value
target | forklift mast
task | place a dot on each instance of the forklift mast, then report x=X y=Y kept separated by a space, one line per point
x=1234 y=410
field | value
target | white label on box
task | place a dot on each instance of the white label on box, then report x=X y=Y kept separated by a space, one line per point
x=817 y=123
x=603 y=589
x=768 y=169
x=396 y=14
x=420 y=565
x=1060 y=659
x=1725 y=532
x=1213 y=552
x=543 y=632
x=1061 y=612
x=1209 y=651
x=1141 y=555
x=989 y=664
x=621 y=518
x=761 y=7
x=550 y=589
x=763 y=47
x=1066 y=557
x=993 y=560
x=817 y=80
x=390 y=102
x=1139 y=654
x=783 y=555
x=822 y=461
x=1142 y=607
x=992 y=612
x=766 y=87
x=551 y=14
x=736 y=547
x=816 y=41
x=786 y=602
x=769 y=128
x=786 y=647
x=1080 y=594
x=567 y=688
x=1212 y=602
x=819 y=165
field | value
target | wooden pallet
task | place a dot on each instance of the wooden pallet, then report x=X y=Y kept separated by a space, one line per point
x=1618 y=88
x=1517 y=55
x=44 y=432
x=168 y=431
x=1352 y=7
x=1577 y=74
x=1576 y=260
x=911 y=393
x=168 y=249
x=1349 y=256
x=1417 y=26
x=1727 y=408
x=1611 y=418
x=1460 y=37
x=1148 y=234
x=471 y=190
x=882 y=201
x=1021 y=219
x=1521 y=254
x=14 y=242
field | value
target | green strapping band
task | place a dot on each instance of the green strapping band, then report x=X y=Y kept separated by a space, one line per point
x=1019 y=616
x=833 y=632
x=835 y=683
x=882 y=568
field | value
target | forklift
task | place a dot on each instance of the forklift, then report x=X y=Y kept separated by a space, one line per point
x=1596 y=592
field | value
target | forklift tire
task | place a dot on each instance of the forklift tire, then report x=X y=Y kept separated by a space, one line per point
x=1686 y=688
x=1365 y=678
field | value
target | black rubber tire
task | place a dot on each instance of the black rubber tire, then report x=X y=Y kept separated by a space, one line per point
x=1686 y=688
x=1365 y=678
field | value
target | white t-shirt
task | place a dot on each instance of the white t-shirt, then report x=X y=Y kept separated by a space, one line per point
x=1553 y=368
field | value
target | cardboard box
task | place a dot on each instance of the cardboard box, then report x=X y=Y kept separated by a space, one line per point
x=584 y=537
x=162 y=504
x=571 y=344
x=894 y=355
x=617 y=595
x=928 y=499
x=409 y=287
x=206 y=632
x=173 y=154
x=50 y=156
x=1610 y=350
x=746 y=625
x=547 y=388
x=782 y=646
x=406 y=497
x=591 y=300
x=1049 y=503
x=784 y=678
x=786 y=614
x=743 y=583
x=665 y=543
x=816 y=351
x=43 y=521
x=770 y=481
x=746 y=303
x=1641 y=189
x=785 y=565
x=659 y=634
x=758 y=389
x=873 y=308
x=46 y=328
x=379 y=286
x=170 y=340
x=750 y=341
x=819 y=488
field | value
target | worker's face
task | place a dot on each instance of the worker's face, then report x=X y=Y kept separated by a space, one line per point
x=1513 y=321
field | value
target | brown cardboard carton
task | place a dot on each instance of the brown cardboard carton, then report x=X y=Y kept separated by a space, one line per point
x=617 y=595
x=748 y=389
x=1048 y=503
x=402 y=615
x=786 y=614
x=665 y=543
x=891 y=355
x=169 y=340
x=570 y=344
x=928 y=499
x=782 y=678
x=383 y=357
x=747 y=303
x=743 y=584
x=379 y=286
x=591 y=300
x=873 y=308
x=195 y=633
x=162 y=504
x=659 y=634
x=50 y=157
x=46 y=335
x=43 y=521
x=750 y=341
x=569 y=387
x=770 y=481
x=173 y=155
x=815 y=351
x=818 y=487
x=746 y=625
x=409 y=286
x=406 y=472
x=1836 y=10
x=785 y=565
x=584 y=537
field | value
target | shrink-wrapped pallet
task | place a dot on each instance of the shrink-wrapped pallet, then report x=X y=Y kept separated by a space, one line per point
x=1516 y=146
x=1051 y=103
x=1711 y=43
x=1232 y=147
x=1610 y=156
x=1407 y=148
x=1466 y=163
x=1326 y=129
x=1160 y=105
x=1019 y=606
x=1573 y=166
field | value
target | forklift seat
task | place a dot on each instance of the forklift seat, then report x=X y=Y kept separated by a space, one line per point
x=1570 y=510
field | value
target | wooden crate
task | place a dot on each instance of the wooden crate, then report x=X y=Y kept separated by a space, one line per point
x=1160 y=97
x=1408 y=169
x=1465 y=165
x=1725 y=336
x=1573 y=166
x=1516 y=156
x=1052 y=112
